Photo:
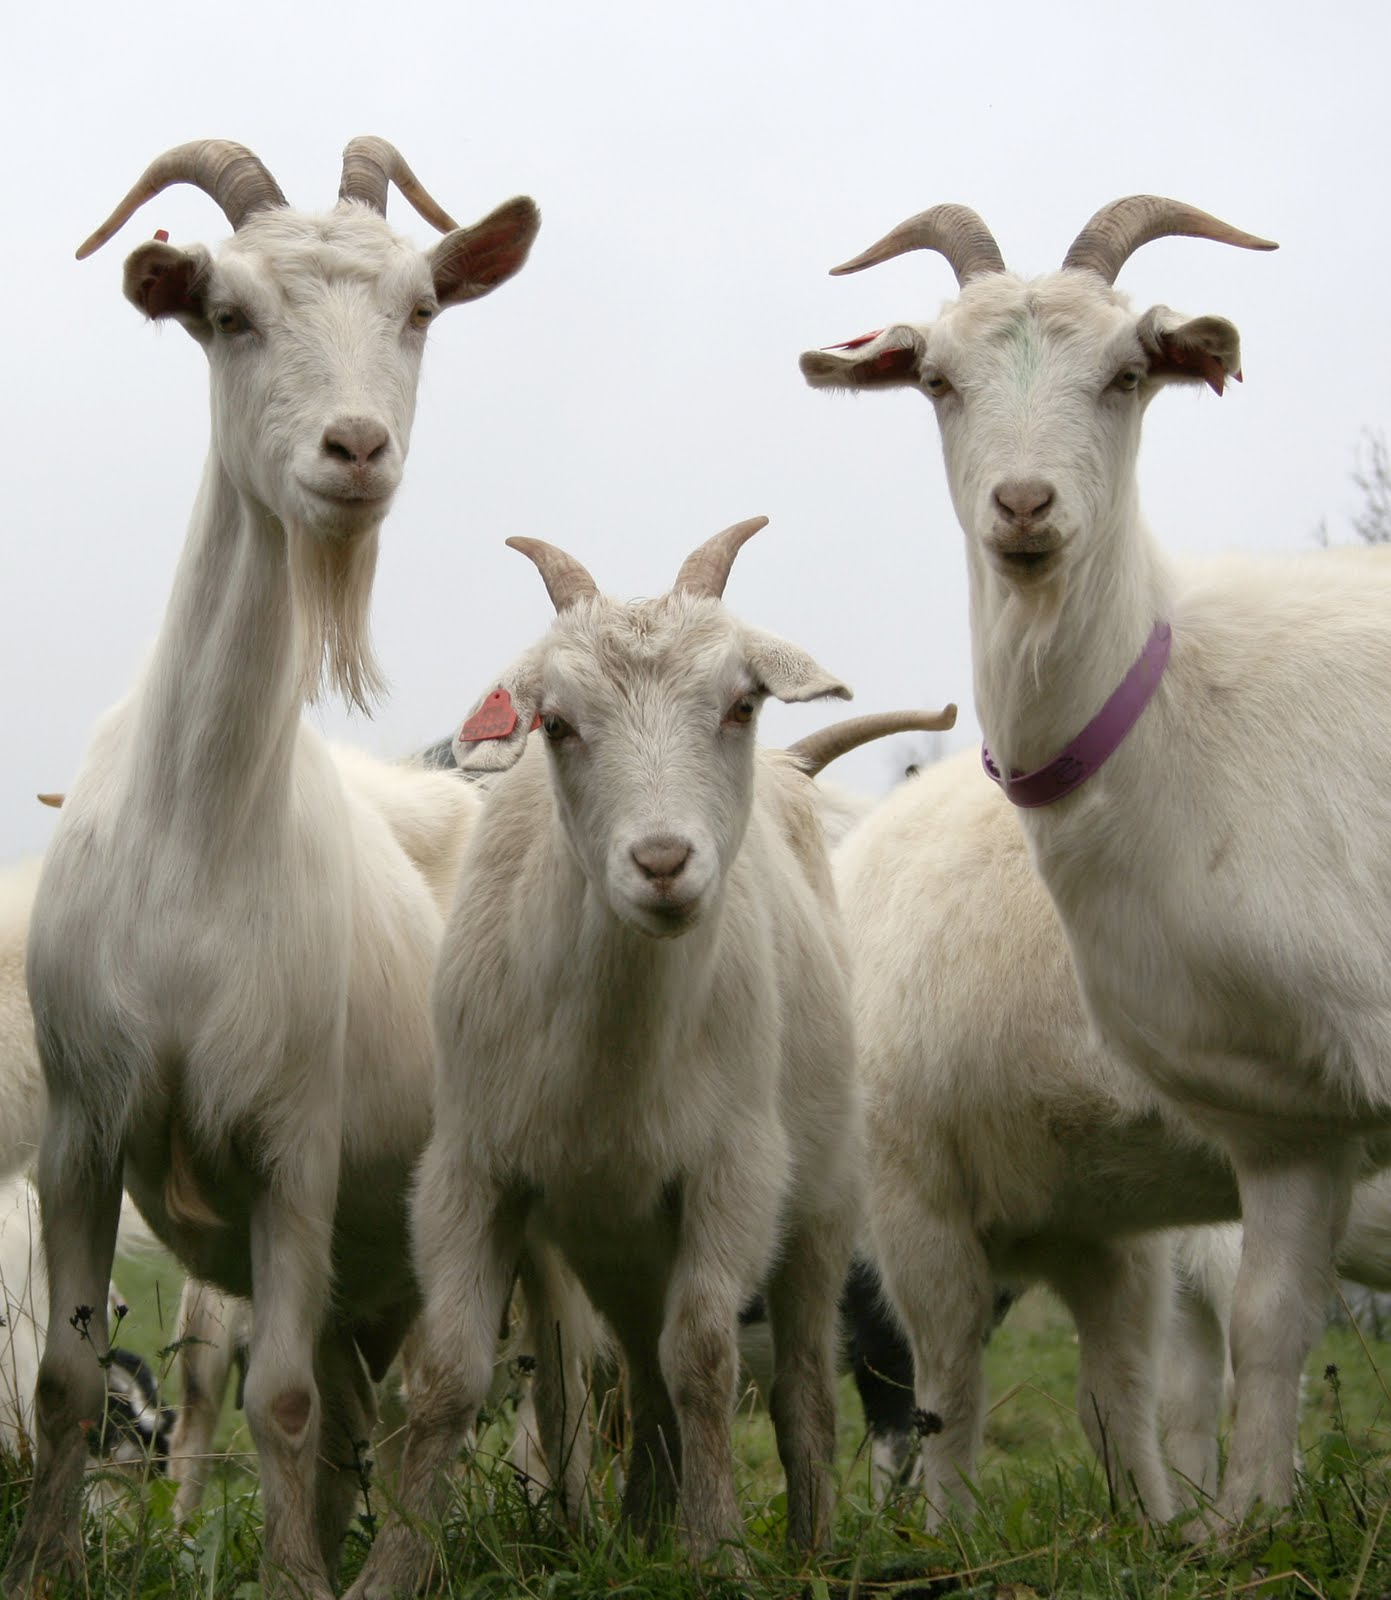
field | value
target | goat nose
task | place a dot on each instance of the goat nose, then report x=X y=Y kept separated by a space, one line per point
x=355 y=440
x=1022 y=499
x=662 y=856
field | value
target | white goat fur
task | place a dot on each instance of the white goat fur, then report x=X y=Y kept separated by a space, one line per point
x=677 y=1116
x=1007 y=1145
x=230 y=952
x=431 y=814
x=1223 y=880
x=21 y=1083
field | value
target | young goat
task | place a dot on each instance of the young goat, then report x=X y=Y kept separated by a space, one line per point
x=645 y=1054
x=230 y=952
x=1223 y=878
x=1008 y=1146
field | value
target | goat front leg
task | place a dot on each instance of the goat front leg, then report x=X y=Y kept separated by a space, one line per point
x=80 y=1202
x=803 y=1298
x=937 y=1276
x=727 y=1233
x=1293 y=1206
x=290 y=1276
x=1118 y=1293
x=467 y=1240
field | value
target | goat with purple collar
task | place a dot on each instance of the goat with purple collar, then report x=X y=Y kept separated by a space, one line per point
x=1222 y=876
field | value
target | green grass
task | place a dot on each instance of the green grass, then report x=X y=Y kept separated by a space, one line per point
x=1043 y=1524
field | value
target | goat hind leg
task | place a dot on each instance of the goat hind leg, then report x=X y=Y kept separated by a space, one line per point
x=212 y=1326
x=1196 y=1365
x=349 y=1412
x=562 y=1326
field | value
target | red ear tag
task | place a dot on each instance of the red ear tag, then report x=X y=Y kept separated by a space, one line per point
x=494 y=719
x=854 y=344
x=162 y=234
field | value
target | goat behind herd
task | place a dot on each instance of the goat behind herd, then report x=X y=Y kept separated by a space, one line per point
x=374 y=1048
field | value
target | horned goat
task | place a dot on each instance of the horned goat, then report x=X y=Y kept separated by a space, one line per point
x=230 y=952
x=1222 y=878
x=430 y=815
x=1008 y=1146
x=645 y=1062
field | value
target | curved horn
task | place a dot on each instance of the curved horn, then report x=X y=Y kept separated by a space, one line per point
x=956 y=231
x=706 y=570
x=228 y=172
x=1118 y=230
x=820 y=749
x=566 y=580
x=54 y=800
x=369 y=164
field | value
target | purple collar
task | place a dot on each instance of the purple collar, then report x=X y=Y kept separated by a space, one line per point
x=1070 y=769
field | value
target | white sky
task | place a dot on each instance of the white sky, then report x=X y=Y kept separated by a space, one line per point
x=636 y=387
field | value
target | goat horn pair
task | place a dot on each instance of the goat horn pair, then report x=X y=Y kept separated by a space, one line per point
x=228 y=172
x=370 y=164
x=1119 y=229
x=1107 y=242
x=820 y=749
x=704 y=572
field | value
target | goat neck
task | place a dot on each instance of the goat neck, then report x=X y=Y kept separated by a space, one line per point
x=219 y=707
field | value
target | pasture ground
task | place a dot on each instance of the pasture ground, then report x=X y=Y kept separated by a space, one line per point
x=1043 y=1526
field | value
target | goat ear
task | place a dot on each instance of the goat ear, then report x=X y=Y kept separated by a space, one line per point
x=494 y=733
x=889 y=359
x=164 y=282
x=471 y=262
x=1199 y=350
x=786 y=672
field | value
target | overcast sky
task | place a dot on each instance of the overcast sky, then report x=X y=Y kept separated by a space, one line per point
x=635 y=388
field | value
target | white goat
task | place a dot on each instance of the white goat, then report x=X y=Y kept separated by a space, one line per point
x=230 y=952
x=1007 y=1146
x=430 y=814
x=645 y=1055
x=1223 y=879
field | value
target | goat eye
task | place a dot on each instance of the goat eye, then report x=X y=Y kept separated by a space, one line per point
x=1126 y=379
x=423 y=314
x=230 y=320
x=936 y=385
x=742 y=712
x=555 y=728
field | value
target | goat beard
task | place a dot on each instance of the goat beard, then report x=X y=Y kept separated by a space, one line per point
x=330 y=590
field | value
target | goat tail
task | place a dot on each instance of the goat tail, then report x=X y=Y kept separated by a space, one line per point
x=184 y=1202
